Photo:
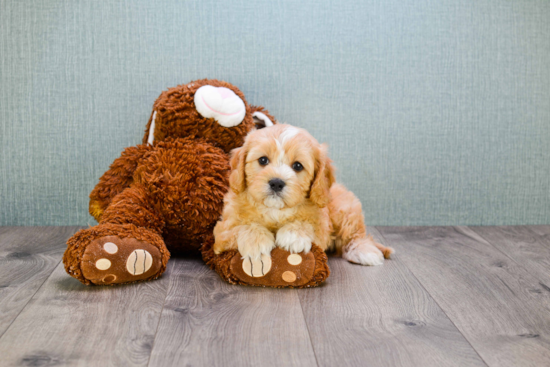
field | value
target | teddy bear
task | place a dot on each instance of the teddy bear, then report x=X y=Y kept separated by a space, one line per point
x=166 y=195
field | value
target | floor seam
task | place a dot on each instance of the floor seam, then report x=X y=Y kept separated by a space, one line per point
x=386 y=242
x=307 y=328
x=171 y=264
x=41 y=285
x=30 y=299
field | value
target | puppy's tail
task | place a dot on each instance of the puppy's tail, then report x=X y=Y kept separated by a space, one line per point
x=346 y=214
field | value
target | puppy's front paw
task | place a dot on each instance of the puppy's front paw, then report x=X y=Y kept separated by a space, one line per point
x=255 y=242
x=293 y=240
x=363 y=252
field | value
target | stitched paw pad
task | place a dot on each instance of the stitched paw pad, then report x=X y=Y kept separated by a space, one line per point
x=113 y=260
x=282 y=269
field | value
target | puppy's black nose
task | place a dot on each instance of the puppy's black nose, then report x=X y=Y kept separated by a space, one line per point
x=276 y=184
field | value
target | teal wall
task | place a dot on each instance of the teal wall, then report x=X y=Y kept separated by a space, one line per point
x=436 y=111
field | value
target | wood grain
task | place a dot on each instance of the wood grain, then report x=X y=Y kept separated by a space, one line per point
x=207 y=322
x=67 y=324
x=498 y=306
x=522 y=244
x=27 y=257
x=381 y=316
x=543 y=232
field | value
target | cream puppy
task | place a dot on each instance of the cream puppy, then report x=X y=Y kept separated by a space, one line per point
x=283 y=193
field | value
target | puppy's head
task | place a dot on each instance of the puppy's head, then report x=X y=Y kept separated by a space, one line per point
x=282 y=166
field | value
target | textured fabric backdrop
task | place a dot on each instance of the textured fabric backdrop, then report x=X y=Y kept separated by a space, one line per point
x=436 y=111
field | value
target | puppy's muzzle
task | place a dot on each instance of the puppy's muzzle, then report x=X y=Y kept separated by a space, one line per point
x=276 y=184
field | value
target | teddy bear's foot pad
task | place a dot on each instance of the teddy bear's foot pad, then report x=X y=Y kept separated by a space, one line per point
x=282 y=269
x=113 y=260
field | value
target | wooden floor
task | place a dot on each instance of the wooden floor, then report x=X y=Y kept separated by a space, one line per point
x=452 y=296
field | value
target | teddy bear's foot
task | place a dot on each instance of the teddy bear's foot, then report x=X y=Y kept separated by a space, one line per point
x=112 y=260
x=113 y=254
x=281 y=270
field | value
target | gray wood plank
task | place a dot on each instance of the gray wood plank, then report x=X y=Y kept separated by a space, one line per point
x=498 y=306
x=35 y=240
x=28 y=255
x=69 y=324
x=207 y=322
x=5 y=229
x=381 y=316
x=543 y=232
x=529 y=249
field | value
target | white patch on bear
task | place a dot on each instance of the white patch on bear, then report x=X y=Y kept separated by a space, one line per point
x=110 y=248
x=294 y=259
x=257 y=268
x=103 y=264
x=152 y=129
x=139 y=262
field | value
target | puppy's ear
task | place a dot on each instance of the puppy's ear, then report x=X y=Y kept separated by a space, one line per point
x=323 y=179
x=237 y=179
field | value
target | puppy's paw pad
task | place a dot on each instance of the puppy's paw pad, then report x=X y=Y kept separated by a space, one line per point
x=257 y=268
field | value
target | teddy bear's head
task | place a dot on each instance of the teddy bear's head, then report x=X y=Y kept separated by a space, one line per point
x=207 y=108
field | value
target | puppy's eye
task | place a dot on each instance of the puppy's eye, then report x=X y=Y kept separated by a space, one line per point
x=263 y=161
x=297 y=166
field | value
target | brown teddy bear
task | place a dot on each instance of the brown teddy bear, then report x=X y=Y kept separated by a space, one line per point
x=167 y=194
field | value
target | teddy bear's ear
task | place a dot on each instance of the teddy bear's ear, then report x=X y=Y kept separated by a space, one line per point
x=221 y=104
x=261 y=120
x=151 y=136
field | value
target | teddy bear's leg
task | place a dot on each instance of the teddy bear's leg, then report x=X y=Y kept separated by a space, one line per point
x=125 y=247
x=118 y=177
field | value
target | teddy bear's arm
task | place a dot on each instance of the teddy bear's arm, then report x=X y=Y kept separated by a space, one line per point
x=118 y=177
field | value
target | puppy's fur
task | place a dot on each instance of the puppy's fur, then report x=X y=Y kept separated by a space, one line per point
x=310 y=208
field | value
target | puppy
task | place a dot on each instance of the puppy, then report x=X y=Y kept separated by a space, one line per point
x=283 y=193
